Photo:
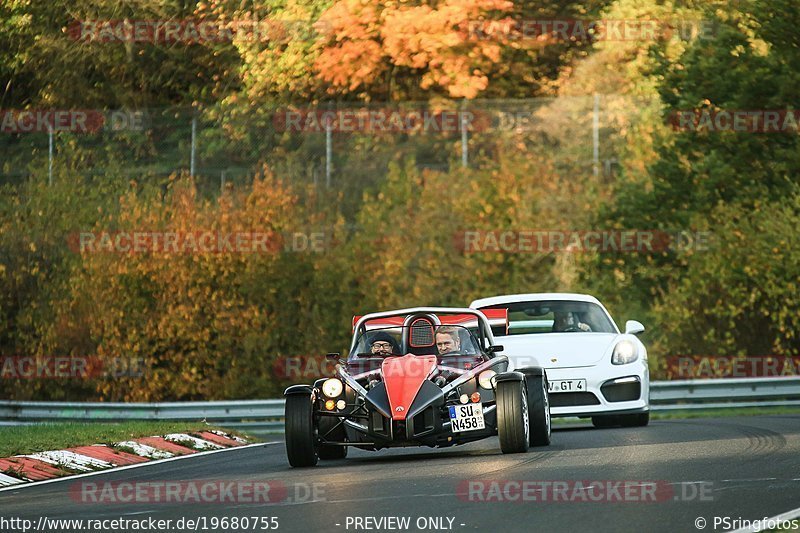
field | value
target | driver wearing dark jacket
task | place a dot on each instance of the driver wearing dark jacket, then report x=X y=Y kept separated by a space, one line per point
x=383 y=344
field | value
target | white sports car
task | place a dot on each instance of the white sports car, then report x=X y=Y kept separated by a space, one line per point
x=593 y=369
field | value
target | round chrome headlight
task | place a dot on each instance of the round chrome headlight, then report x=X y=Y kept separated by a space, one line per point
x=485 y=379
x=332 y=387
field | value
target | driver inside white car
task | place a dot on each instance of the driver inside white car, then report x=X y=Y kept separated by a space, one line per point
x=565 y=321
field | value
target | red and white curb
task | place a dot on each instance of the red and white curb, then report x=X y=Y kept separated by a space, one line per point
x=6 y=481
x=54 y=464
x=143 y=450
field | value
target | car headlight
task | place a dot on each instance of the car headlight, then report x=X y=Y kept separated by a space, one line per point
x=332 y=388
x=624 y=352
x=485 y=379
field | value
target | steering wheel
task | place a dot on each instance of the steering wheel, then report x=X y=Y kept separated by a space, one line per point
x=571 y=329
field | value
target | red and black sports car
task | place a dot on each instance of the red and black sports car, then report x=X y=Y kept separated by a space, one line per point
x=419 y=377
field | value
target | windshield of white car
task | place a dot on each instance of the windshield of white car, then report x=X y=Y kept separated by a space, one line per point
x=444 y=341
x=555 y=316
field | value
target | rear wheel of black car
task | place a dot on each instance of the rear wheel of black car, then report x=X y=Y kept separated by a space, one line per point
x=513 y=425
x=538 y=410
x=331 y=429
x=301 y=446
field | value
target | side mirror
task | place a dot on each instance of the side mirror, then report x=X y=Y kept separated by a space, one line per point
x=633 y=327
x=496 y=348
x=333 y=356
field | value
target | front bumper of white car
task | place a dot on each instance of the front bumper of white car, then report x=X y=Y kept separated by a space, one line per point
x=610 y=389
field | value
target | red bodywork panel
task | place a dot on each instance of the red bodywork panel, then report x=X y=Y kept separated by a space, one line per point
x=380 y=322
x=497 y=317
x=403 y=377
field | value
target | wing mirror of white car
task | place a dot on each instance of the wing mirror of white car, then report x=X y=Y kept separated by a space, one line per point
x=633 y=327
x=496 y=348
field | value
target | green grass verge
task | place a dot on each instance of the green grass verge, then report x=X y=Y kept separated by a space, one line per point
x=15 y=440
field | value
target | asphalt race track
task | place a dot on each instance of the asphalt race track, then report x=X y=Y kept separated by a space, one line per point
x=739 y=467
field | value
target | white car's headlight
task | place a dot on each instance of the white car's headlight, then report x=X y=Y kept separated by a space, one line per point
x=485 y=379
x=624 y=352
x=332 y=387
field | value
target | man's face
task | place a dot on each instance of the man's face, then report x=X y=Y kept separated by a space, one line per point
x=563 y=321
x=446 y=342
x=381 y=348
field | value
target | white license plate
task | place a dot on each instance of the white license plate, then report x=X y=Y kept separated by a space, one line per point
x=567 y=385
x=467 y=417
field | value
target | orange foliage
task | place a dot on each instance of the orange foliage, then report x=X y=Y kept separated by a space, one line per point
x=368 y=37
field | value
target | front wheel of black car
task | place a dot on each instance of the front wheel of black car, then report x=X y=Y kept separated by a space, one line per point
x=301 y=446
x=539 y=410
x=513 y=427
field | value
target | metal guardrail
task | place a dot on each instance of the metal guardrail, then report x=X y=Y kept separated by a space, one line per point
x=266 y=416
x=256 y=415
x=724 y=393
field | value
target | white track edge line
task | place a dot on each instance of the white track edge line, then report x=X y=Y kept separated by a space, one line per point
x=130 y=467
x=788 y=515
